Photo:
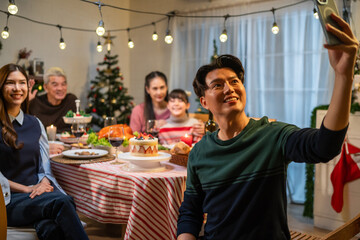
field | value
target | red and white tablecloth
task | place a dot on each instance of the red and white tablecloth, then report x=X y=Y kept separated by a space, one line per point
x=148 y=202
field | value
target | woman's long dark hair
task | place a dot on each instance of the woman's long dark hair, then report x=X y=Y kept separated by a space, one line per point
x=8 y=132
x=149 y=108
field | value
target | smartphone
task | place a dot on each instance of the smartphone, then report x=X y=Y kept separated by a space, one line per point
x=324 y=9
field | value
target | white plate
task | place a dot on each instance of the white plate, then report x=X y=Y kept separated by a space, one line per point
x=144 y=162
x=71 y=153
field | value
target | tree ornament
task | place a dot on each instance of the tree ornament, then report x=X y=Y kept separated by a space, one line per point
x=113 y=101
x=103 y=116
x=94 y=110
x=97 y=69
x=90 y=105
x=120 y=88
x=102 y=100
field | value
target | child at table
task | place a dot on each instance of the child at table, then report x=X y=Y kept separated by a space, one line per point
x=179 y=123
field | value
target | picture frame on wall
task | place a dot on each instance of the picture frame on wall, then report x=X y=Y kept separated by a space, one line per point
x=38 y=67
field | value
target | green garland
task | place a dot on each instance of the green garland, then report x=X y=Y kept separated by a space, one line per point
x=310 y=172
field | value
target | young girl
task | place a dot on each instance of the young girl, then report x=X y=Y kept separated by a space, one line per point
x=36 y=198
x=179 y=122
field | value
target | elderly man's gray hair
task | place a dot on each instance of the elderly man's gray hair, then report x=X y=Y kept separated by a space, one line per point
x=54 y=71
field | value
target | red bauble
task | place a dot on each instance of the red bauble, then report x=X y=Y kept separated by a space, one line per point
x=117 y=68
x=104 y=58
x=97 y=69
x=120 y=88
x=95 y=95
x=94 y=110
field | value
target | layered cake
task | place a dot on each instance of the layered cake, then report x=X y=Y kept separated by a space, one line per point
x=144 y=146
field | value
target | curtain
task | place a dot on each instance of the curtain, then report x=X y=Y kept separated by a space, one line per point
x=286 y=75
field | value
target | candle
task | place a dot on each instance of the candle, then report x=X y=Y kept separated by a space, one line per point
x=51 y=132
x=188 y=139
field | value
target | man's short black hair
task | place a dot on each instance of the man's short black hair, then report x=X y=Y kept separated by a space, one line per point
x=223 y=61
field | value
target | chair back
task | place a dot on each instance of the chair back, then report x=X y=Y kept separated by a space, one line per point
x=3 y=217
x=345 y=231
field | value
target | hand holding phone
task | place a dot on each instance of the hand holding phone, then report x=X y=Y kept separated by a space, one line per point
x=324 y=9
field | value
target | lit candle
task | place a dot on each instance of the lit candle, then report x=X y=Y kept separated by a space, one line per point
x=51 y=132
x=188 y=139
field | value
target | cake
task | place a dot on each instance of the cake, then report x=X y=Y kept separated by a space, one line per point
x=144 y=145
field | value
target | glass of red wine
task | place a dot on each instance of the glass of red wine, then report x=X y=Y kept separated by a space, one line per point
x=116 y=137
x=153 y=127
x=78 y=129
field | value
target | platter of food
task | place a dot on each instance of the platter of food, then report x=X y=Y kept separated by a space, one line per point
x=137 y=162
x=85 y=153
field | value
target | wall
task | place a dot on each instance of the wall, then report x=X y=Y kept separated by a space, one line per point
x=80 y=58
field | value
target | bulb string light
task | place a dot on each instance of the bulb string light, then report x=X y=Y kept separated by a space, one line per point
x=169 y=38
x=275 y=29
x=12 y=8
x=155 y=36
x=130 y=42
x=62 y=44
x=223 y=37
x=166 y=16
x=100 y=30
x=5 y=33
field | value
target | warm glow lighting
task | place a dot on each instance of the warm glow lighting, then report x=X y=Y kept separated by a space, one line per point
x=99 y=47
x=168 y=38
x=316 y=15
x=100 y=30
x=131 y=44
x=62 y=44
x=5 y=34
x=12 y=8
x=108 y=47
x=155 y=36
x=275 y=28
x=223 y=37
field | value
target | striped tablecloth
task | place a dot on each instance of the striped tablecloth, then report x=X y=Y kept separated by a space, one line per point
x=148 y=202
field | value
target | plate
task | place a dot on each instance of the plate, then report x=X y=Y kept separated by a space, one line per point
x=137 y=162
x=72 y=140
x=70 y=120
x=71 y=153
x=56 y=142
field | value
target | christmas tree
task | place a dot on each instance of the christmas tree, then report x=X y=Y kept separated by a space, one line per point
x=108 y=96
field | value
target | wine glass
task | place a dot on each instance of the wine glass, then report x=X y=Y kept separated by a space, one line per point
x=153 y=127
x=116 y=137
x=78 y=129
x=109 y=121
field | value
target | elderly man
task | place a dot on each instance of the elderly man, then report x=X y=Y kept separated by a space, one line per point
x=236 y=175
x=52 y=106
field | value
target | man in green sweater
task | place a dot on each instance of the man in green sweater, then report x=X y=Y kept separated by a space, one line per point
x=237 y=175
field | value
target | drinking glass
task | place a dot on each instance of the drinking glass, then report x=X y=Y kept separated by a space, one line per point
x=78 y=129
x=116 y=137
x=153 y=127
x=109 y=121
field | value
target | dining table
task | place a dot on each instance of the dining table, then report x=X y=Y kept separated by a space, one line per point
x=146 y=201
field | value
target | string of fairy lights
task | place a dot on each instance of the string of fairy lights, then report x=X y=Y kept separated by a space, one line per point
x=101 y=30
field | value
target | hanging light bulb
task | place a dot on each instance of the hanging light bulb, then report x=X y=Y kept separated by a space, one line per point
x=108 y=42
x=316 y=15
x=168 y=38
x=223 y=37
x=131 y=43
x=62 y=44
x=12 y=8
x=275 y=29
x=99 y=47
x=100 y=30
x=155 y=36
x=5 y=34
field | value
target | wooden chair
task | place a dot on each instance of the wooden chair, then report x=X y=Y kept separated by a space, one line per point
x=3 y=218
x=344 y=232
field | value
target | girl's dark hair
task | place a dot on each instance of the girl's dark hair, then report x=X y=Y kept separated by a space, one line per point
x=148 y=108
x=8 y=132
x=180 y=94
x=223 y=61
